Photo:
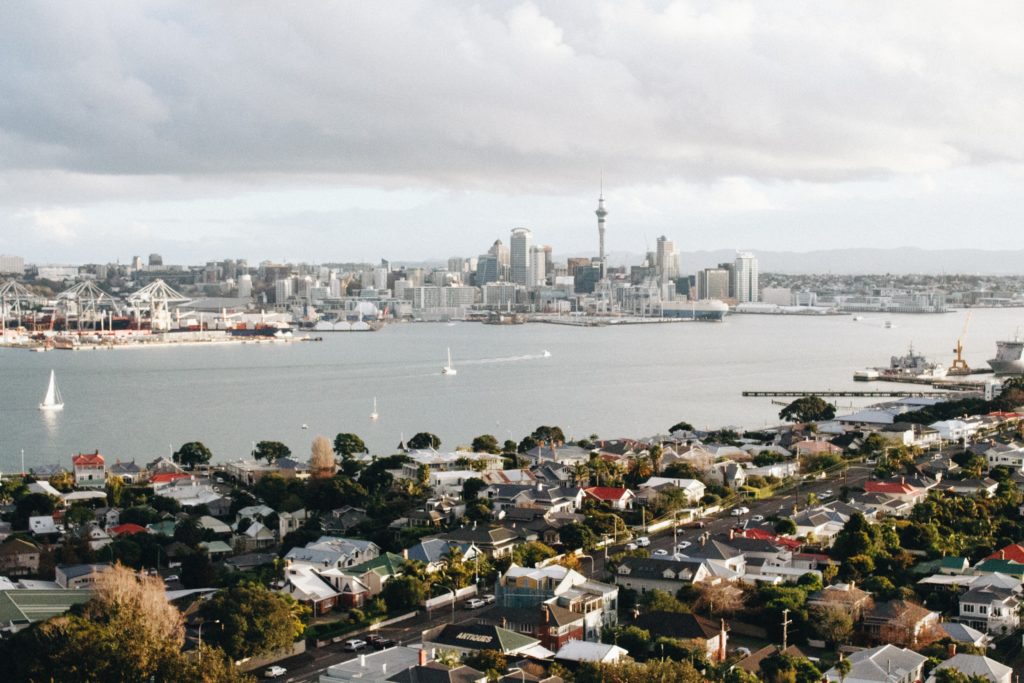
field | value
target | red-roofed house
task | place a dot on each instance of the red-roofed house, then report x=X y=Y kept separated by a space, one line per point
x=811 y=447
x=127 y=530
x=765 y=535
x=1014 y=551
x=618 y=498
x=901 y=489
x=164 y=478
x=90 y=470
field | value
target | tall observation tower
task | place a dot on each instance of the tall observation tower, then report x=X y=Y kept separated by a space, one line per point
x=601 y=213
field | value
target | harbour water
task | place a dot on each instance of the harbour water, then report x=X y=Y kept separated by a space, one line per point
x=612 y=381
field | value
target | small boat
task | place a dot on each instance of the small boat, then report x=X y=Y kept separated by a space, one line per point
x=889 y=325
x=374 y=415
x=546 y=354
x=305 y=426
x=449 y=369
x=857 y=318
x=53 y=399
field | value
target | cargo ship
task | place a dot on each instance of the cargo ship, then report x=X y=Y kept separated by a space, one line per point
x=272 y=329
x=1008 y=360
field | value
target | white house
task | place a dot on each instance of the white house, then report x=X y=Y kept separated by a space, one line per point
x=975 y=665
x=883 y=664
x=694 y=488
x=1007 y=455
x=991 y=609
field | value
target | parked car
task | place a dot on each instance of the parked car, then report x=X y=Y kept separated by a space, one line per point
x=380 y=642
x=660 y=551
x=757 y=518
x=275 y=671
x=631 y=546
x=171 y=578
x=354 y=645
x=827 y=494
x=744 y=510
x=683 y=545
x=474 y=603
x=643 y=541
x=488 y=598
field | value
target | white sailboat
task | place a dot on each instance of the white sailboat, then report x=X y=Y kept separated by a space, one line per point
x=53 y=399
x=374 y=415
x=449 y=369
x=546 y=354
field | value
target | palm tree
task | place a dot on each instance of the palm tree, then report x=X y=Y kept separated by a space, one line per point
x=843 y=667
x=581 y=474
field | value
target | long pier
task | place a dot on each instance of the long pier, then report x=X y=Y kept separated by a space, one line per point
x=847 y=394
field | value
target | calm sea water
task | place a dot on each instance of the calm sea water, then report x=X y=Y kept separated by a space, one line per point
x=612 y=381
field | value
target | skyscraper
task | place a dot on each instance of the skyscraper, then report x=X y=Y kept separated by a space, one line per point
x=745 y=277
x=520 y=257
x=713 y=283
x=665 y=260
x=601 y=213
x=538 y=264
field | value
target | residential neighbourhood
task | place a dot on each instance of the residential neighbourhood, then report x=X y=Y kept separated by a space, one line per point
x=807 y=546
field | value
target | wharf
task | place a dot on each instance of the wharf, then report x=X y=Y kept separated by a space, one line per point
x=852 y=394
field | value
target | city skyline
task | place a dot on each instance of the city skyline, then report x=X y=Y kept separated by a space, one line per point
x=429 y=130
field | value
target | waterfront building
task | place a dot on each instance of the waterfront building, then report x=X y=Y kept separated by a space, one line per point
x=521 y=262
x=744 y=274
x=713 y=283
x=90 y=470
x=666 y=261
x=12 y=264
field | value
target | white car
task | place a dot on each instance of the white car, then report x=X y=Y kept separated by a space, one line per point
x=827 y=494
x=683 y=545
x=643 y=541
x=736 y=512
x=275 y=672
x=744 y=510
x=631 y=546
x=659 y=551
x=757 y=518
x=171 y=578
x=355 y=644
x=474 y=603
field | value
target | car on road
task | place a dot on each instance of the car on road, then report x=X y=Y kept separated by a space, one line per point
x=380 y=642
x=757 y=518
x=631 y=546
x=171 y=578
x=474 y=603
x=643 y=541
x=275 y=671
x=683 y=545
x=354 y=645
x=488 y=598
x=661 y=551
x=744 y=510
x=828 y=494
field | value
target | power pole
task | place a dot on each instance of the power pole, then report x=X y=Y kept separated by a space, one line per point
x=786 y=621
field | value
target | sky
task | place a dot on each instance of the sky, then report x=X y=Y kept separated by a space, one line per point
x=352 y=131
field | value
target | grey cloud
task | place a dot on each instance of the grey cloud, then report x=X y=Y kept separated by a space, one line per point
x=509 y=95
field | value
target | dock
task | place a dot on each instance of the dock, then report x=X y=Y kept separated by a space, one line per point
x=882 y=393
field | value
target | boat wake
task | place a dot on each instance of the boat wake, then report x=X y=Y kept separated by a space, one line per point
x=504 y=359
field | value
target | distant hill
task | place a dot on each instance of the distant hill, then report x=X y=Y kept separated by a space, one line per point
x=904 y=260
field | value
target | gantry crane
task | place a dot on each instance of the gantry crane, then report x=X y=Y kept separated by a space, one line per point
x=960 y=366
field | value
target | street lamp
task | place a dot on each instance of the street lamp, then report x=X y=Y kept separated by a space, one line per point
x=452 y=591
x=201 y=624
x=591 y=558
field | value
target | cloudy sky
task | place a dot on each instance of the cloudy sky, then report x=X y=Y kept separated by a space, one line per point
x=356 y=130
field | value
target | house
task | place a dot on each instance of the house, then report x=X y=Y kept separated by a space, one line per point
x=217 y=550
x=733 y=475
x=433 y=551
x=844 y=596
x=883 y=664
x=127 y=530
x=129 y=472
x=952 y=430
x=539 y=525
x=553 y=625
x=820 y=524
x=809 y=447
x=357 y=584
x=752 y=662
x=436 y=672
x=578 y=651
x=345 y=518
x=468 y=638
x=615 y=498
x=90 y=470
x=249 y=472
x=986 y=488
x=44 y=525
x=79 y=576
x=1009 y=455
x=567 y=455
x=331 y=551
x=374 y=667
x=18 y=557
x=962 y=633
x=901 y=623
x=975 y=666
x=250 y=535
x=899 y=488
x=302 y=583
x=21 y=607
x=494 y=541
x=644 y=574
x=708 y=635
x=539 y=495
x=693 y=488
x=526 y=587
x=1013 y=552
x=992 y=609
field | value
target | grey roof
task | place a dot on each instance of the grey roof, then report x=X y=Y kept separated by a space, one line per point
x=434 y=549
x=883 y=663
x=435 y=672
x=961 y=633
x=653 y=568
x=976 y=665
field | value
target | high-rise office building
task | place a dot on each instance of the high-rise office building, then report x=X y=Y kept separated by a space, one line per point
x=245 y=286
x=283 y=290
x=744 y=276
x=520 y=257
x=12 y=264
x=713 y=283
x=538 y=261
x=666 y=261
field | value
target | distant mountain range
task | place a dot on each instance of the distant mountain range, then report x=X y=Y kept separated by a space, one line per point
x=904 y=260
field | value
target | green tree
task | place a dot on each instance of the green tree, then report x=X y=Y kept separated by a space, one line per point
x=635 y=639
x=347 y=443
x=471 y=488
x=548 y=435
x=271 y=451
x=833 y=624
x=655 y=670
x=187 y=531
x=681 y=426
x=575 y=536
x=31 y=505
x=785 y=526
x=191 y=454
x=808 y=409
x=529 y=554
x=254 y=620
x=197 y=571
x=424 y=440
x=404 y=593
x=485 y=443
x=489 y=661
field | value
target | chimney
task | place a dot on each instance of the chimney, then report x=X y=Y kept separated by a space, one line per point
x=903 y=480
x=721 y=642
x=732 y=533
x=545 y=616
x=1002 y=554
x=950 y=650
x=423 y=657
x=405 y=553
x=853 y=584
